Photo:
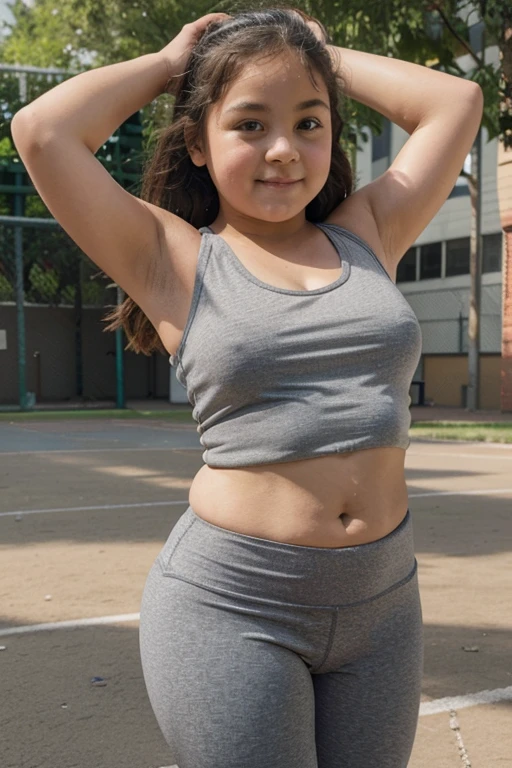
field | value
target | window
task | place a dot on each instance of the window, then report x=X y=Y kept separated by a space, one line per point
x=492 y=247
x=457 y=256
x=381 y=145
x=406 y=270
x=430 y=261
x=476 y=32
x=460 y=189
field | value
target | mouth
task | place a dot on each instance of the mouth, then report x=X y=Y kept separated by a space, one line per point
x=281 y=183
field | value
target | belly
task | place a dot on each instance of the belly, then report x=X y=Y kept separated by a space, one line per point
x=330 y=501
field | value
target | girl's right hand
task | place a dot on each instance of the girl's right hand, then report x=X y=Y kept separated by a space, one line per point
x=177 y=52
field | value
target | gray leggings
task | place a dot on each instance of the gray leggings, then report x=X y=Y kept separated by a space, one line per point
x=259 y=654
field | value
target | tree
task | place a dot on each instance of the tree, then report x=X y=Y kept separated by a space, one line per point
x=86 y=33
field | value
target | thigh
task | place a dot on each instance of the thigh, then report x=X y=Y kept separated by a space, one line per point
x=367 y=708
x=223 y=696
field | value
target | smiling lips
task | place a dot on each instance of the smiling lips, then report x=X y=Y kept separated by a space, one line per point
x=278 y=182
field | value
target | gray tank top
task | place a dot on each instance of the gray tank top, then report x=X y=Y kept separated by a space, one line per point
x=277 y=375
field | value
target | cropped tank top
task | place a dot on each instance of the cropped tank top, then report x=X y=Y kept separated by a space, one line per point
x=277 y=375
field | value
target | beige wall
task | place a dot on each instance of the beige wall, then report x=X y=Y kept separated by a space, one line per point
x=51 y=332
x=505 y=200
x=444 y=376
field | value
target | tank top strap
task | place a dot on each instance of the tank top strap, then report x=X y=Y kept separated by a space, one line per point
x=346 y=236
x=202 y=263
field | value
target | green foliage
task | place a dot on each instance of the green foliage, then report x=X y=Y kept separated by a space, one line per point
x=486 y=78
x=93 y=292
x=43 y=285
x=35 y=208
x=123 y=153
x=68 y=294
x=6 y=290
x=78 y=34
x=60 y=33
x=7 y=149
x=43 y=33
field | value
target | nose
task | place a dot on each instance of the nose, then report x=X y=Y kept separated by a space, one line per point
x=283 y=150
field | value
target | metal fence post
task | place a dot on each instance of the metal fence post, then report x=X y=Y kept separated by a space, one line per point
x=120 y=395
x=20 y=299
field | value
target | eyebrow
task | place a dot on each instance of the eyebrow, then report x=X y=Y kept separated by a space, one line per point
x=252 y=106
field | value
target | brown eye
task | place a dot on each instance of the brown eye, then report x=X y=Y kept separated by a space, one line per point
x=248 y=122
x=310 y=120
x=316 y=124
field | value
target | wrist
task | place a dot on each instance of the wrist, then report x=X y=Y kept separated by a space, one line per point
x=165 y=74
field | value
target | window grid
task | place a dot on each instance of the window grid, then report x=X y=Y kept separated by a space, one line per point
x=454 y=258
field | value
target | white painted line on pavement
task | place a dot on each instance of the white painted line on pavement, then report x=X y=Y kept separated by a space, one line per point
x=479 y=492
x=96 y=621
x=489 y=456
x=140 y=448
x=426 y=708
x=470 y=700
x=484 y=492
x=88 y=509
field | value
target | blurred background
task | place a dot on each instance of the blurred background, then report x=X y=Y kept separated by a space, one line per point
x=53 y=351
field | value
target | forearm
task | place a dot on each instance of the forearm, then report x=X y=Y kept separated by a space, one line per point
x=92 y=105
x=403 y=92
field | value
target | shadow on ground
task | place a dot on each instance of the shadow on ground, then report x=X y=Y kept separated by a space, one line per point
x=57 y=719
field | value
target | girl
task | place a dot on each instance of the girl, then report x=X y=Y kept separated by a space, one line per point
x=280 y=623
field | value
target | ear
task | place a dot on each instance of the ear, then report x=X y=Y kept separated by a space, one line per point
x=194 y=147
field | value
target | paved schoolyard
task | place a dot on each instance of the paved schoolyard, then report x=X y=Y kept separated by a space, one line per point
x=85 y=506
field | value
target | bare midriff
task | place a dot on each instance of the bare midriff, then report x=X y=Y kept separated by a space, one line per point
x=339 y=500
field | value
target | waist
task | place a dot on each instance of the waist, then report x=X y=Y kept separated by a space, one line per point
x=256 y=568
x=331 y=501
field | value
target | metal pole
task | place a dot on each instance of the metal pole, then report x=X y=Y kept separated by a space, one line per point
x=476 y=277
x=475 y=294
x=79 y=367
x=35 y=70
x=120 y=401
x=20 y=301
x=19 y=210
x=22 y=221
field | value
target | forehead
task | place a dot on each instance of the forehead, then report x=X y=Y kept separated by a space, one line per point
x=268 y=80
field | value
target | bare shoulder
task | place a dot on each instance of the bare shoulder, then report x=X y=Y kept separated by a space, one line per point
x=173 y=277
x=355 y=214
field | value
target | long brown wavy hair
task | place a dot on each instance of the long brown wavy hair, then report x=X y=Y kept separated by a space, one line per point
x=170 y=178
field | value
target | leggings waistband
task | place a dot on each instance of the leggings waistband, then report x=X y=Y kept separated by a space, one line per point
x=233 y=563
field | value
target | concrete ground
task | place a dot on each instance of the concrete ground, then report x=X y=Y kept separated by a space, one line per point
x=85 y=506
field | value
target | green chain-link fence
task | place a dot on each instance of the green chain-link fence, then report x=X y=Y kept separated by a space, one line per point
x=52 y=297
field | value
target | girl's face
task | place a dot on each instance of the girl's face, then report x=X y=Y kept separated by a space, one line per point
x=262 y=129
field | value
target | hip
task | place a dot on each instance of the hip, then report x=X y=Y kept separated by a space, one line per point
x=268 y=571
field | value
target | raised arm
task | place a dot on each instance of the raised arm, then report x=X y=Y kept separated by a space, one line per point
x=57 y=136
x=442 y=114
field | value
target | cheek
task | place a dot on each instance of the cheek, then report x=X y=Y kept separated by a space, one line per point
x=320 y=155
x=236 y=163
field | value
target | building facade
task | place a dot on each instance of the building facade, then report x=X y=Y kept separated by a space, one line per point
x=434 y=274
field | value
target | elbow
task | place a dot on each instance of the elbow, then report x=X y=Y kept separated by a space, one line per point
x=477 y=96
x=16 y=127
x=28 y=131
x=21 y=130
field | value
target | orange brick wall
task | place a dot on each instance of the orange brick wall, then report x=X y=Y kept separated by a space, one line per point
x=505 y=203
